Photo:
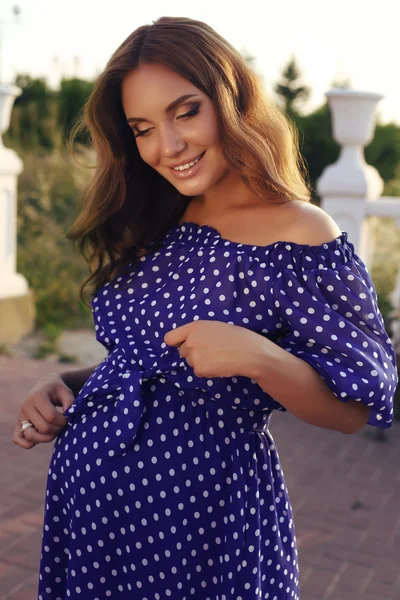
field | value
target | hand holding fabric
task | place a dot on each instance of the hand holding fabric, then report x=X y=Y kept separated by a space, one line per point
x=217 y=349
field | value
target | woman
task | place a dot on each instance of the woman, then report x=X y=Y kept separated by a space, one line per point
x=221 y=295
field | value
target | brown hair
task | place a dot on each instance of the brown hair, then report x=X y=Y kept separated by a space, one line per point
x=128 y=204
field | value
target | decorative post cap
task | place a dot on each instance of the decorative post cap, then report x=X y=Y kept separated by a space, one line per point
x=353 y=126
x=353 y=113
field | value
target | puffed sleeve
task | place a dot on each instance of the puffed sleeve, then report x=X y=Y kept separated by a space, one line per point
x=329 y=315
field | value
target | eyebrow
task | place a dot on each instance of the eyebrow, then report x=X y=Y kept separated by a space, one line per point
x=169 y=108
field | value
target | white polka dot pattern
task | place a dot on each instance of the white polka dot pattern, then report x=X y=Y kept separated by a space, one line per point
x=330 y=318
x=167 y=485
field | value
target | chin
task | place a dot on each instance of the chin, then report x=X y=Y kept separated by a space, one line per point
x=191 y=188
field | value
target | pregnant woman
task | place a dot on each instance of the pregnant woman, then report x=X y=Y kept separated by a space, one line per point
x=222 y=295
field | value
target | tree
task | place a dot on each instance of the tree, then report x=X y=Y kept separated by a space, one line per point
x=384 y=151
x=317 y=145
x=290 y=89
x=33 y=120
x=72 y=96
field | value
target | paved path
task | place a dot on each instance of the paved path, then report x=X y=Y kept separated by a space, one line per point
x=345 y=492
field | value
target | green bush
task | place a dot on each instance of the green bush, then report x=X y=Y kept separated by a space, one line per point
x=47 y=193
x=386 y=262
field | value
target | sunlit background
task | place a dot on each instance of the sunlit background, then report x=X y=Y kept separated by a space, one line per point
x=55 y=50
x=332 y=41
x=344 y=489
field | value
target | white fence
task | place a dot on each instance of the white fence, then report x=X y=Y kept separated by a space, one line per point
x=350 y=188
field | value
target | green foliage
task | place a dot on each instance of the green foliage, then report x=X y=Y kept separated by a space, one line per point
x=52 y=331
x=42 y=118
x=49 y=345
x=33 y=90
x=386 y=260
x=290 y=89
x=34 y=117
x=72 y=96
x=317 y=145
x=47 y=193
x=384 y=150
x=45 y=349
x=67 y=358
x=392 y=187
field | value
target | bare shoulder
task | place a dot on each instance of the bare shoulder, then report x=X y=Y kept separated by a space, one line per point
x=309 y=224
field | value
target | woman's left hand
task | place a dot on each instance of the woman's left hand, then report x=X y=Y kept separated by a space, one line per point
x=218 y=349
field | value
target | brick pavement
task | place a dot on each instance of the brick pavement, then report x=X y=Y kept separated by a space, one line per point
x=345 y=492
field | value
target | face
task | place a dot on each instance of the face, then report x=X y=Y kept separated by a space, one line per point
x=176 y=128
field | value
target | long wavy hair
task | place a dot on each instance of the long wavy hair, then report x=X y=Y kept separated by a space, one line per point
x=129 y=205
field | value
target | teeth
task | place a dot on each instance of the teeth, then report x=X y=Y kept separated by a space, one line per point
x=187 y=166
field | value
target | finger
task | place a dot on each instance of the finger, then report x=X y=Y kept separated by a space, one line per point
x=182 y=350
x=20 y=440
x=49 y=412
x=176 y=336
x=63 y=396
x=35 y=437
x=40 y=423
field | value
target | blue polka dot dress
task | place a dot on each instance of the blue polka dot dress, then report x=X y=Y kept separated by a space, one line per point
x=167 y=485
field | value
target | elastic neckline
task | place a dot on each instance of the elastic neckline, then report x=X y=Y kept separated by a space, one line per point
x=206 y=231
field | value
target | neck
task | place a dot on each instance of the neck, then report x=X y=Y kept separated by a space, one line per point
x=230 y=192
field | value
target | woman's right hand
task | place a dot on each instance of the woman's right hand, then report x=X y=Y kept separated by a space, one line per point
x=40 y=407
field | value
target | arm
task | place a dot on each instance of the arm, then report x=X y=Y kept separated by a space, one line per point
x=75 y=379
x=299 y=388
x=330 y=368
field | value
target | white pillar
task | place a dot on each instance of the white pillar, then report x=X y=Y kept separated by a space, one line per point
x=350 y=183
x=11 y=283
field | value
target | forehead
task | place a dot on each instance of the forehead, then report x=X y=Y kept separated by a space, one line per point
x=153 y=86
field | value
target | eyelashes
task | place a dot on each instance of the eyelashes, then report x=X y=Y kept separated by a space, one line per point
x=191 y=113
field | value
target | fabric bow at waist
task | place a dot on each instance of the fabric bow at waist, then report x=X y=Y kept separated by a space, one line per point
x=117 y=393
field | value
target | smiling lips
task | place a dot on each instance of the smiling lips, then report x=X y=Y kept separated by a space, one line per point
x=187 y=164
x=187 y=169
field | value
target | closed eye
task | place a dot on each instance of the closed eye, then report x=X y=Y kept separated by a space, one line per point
x=140 y=133
x=194 y=111
x=191 y=113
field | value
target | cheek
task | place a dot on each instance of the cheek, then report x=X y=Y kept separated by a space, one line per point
x=147 y=153
x=208 y=130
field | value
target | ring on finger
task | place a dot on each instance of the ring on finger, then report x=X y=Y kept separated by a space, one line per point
x=26 y=425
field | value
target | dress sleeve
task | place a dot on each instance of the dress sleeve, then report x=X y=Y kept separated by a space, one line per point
x=329 y=317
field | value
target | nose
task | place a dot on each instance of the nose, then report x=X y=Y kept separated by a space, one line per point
x=172 y=142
